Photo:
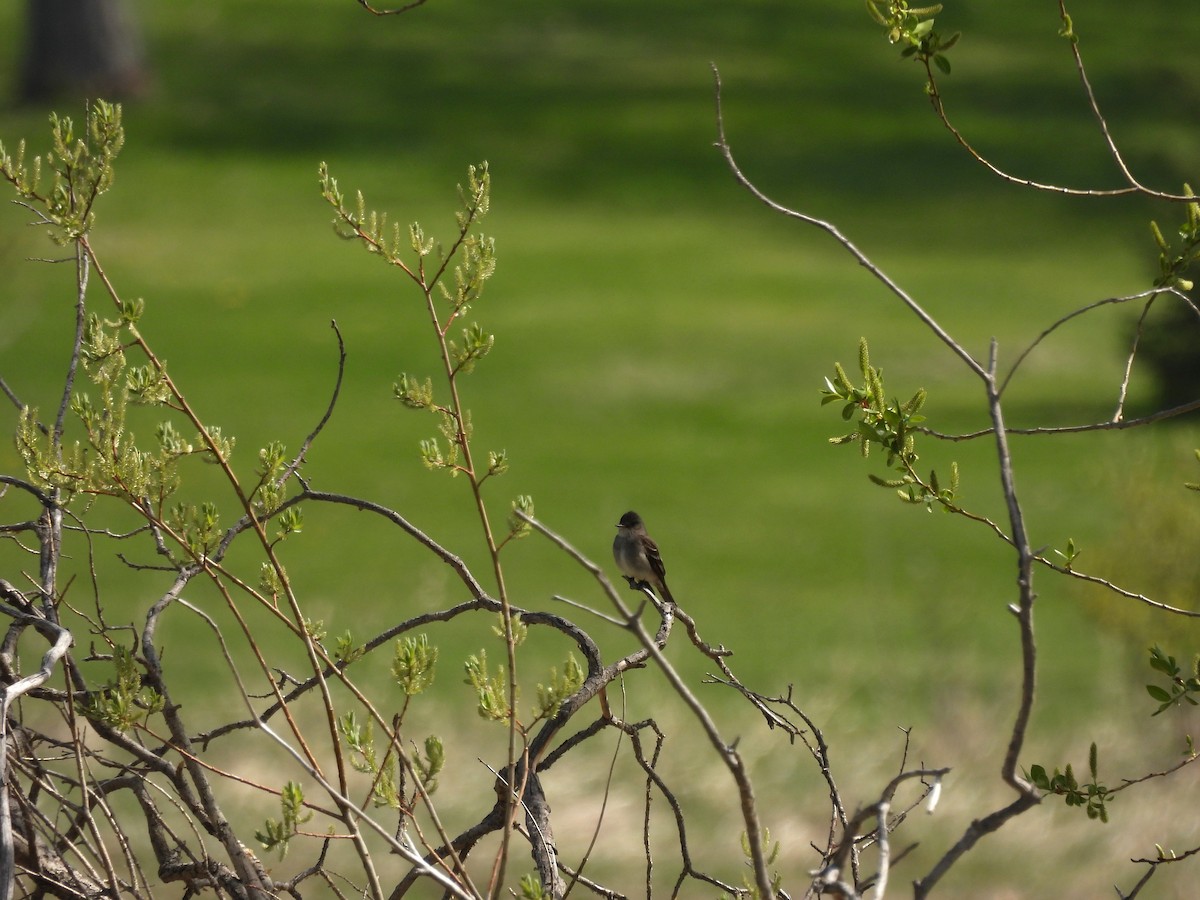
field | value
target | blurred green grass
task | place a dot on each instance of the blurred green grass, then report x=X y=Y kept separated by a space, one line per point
x=661 y=338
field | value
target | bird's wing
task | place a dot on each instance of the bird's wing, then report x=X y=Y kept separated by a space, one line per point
x=655 y=560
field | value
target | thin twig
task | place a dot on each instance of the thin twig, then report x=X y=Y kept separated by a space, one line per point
x=722 y=144
x=337 y=389
x=390 y=12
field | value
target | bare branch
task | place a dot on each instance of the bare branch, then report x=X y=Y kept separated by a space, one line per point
x=722 y=144
x=390 y=12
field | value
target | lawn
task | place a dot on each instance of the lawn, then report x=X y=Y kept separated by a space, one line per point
x=661 y=339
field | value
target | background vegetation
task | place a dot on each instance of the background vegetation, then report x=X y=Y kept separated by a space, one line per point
x=662 y=340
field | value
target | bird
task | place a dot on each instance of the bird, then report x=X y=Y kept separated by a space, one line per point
x=638 y=558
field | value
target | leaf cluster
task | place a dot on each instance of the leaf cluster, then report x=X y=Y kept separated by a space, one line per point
x=891 y=425
x=109 y=460
x=387 y=773
x=1182 y=687
x=1069 y=555
x=123 y=702
x=414 y=664
x=550 y=696
x=345 y=650
x=750 y=888
x=1091 y=796
x=277 y=835
x=531 y=887
x=491 y=690
x=451 y=279
x=1174 y=262
x=269 y=493
x=913 y=27
x=81 y=169
x=197 y=527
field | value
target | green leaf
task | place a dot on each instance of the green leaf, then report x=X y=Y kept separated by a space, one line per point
x=1162 y=662
x=1158 y=693
x=414 y=663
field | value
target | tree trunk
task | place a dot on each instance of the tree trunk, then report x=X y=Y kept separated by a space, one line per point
x=81 y=48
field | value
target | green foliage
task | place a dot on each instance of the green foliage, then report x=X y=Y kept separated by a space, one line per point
x=748 y=882
x=913 y=27
x=270 y=585
x=516 y=627
x=123 y=702
x=197 y=528
x=518 y=527
x=428 y=264
x=475 y=253
x=1069 y=555
x=478 y=253
x=147 y=386
x=222 y=447
x=81 y=170
x=891 y=425
x=1169 y=343
x=315 y=629
x=531 y=887
x=171 y=441
x=433 y=458
x=412 y=393
x=1174 y=262
x=1167 y=339
x=1182 y=687
x=277 y=835
x=476 y=344
x=369 y=227
x=361 y=741
x=551 y=696
x=290 y=521
x=431 y=763
x=414 y=664
x=497 y=462
x=1067 y=29
x=269 y=494
x=109 y=462
x=345 y=651
x=490 y=690
x=1092 y=796
x=387 y=773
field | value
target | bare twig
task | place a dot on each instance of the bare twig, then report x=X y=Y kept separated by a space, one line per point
x=725 y=751
x=722 y=144
x=1133 y=185
x=60 y=642
x=390 y=12
x=299 y=459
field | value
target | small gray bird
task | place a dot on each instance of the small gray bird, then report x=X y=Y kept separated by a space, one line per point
x=637 y=556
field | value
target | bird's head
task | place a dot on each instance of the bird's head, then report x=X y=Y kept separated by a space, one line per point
x=630 y=520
